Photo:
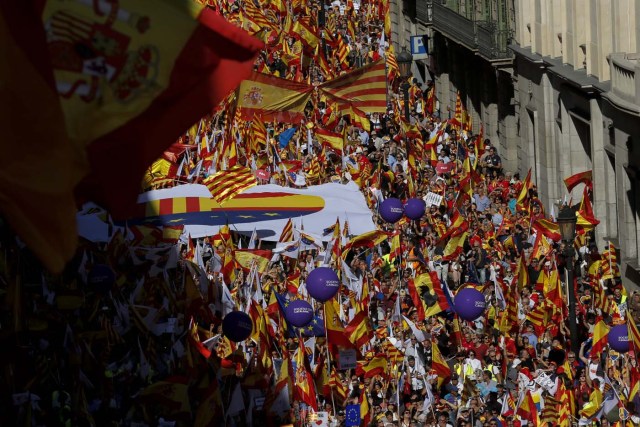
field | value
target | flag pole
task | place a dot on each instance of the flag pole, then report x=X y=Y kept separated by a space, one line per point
x=326 y=343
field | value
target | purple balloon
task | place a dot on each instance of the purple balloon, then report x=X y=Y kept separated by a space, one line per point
x=469 y=303
x=323 y=283
x=414 y=208
x=619 y=338
x=237 y=326
x=391 y=210
x=101 y=278
x=299 y=313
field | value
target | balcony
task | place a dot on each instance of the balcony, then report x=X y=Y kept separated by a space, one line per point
x=625 y=88
x=481 y=31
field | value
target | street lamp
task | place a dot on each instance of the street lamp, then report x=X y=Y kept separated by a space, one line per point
x=405 y=59
x=567 y=223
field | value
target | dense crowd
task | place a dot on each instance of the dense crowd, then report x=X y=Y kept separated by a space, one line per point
x=148 y=349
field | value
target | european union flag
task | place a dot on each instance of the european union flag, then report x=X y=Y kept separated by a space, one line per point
x=352 y=416
x=313 y=329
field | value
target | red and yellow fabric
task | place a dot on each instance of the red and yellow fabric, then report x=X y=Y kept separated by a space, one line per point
x=548 y=228
x=304 y=387
x=585 y=177
x=439 y=365
x=225 y=185
x=272 y=98
x=365 y=88
x=370 y=368
x=333 y=140
x=359 y=330
x=600 y=337
x=105 y=105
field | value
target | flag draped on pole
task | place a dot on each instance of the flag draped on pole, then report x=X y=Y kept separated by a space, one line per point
x=126 y=90
x=225 y=185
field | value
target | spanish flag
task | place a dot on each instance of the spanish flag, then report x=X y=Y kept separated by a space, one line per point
x=600 y=337
x=376 y=366
x=272 y=98
x=359 y=330
x=439 y=365
x=548 y=228
x=585 y=178
x=126 y=89
x=333 y=140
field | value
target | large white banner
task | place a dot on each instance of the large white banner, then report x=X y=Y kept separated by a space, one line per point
x=264 y=208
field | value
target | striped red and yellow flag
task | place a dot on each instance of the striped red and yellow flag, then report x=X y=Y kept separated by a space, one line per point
x=392 y=64
x=225 y=185
x=634 y=334
x=365 y=88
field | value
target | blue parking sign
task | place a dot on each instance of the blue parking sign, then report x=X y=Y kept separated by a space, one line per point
x=418 y=45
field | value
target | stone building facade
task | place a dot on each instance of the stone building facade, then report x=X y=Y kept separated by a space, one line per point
x=556 y=84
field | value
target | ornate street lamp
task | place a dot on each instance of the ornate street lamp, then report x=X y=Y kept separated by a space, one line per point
x=405 y=59
x=567 y=223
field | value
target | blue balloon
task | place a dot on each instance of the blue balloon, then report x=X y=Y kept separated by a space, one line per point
x=415 y=208
x=469 y=303
x=619 y=338
x=299 y=313
x=237 y=326
x=391 y=210
x=322 y=284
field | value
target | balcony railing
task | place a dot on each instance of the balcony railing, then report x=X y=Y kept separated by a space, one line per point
x=488 y=38
x=624 y=76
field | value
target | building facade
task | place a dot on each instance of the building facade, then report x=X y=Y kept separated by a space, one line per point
x=468 y=53
x=556 y=85
x=578 y=108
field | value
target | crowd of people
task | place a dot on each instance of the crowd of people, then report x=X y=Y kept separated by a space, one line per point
x=146 y=347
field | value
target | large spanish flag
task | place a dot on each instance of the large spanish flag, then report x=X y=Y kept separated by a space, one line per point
x=365 y=88
x=272 y=98
x=126 y=90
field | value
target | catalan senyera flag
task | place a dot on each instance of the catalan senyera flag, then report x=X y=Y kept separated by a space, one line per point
x=365 y=88
x=272 y=98
x=634 y=334
x=585 y=178
x=225 y=185
x=333 y=140
x=104 y=106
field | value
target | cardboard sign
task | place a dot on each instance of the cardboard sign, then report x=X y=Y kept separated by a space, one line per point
x=433 y=199
x=347 y=359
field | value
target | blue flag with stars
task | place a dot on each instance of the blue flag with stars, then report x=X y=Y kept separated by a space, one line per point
x=352 y=415
x=313 y=329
